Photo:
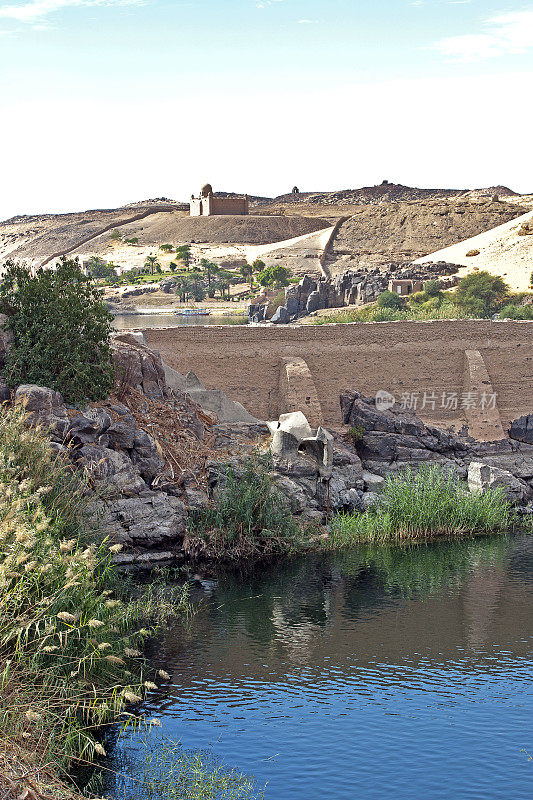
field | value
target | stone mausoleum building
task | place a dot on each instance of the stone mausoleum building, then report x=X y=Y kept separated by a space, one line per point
x=207 y=205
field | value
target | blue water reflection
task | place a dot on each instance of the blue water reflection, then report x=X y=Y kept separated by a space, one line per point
x=377 y=673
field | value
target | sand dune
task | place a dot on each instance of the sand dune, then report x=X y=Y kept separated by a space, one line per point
x=502 y=252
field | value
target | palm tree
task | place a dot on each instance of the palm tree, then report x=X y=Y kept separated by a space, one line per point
x=183 y=253
x=247 y=272
x=209 y=269
x=152 y=263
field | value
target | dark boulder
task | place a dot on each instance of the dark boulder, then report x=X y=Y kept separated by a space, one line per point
x=522 y=429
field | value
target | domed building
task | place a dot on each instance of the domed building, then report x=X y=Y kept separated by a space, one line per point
x=208 y=205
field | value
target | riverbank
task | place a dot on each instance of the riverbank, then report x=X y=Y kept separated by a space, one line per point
x=78 y=655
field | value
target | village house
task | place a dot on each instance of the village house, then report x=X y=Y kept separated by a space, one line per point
x=405 y=287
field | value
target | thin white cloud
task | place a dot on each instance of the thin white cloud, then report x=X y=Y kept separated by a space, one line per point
x=505 y=34
x=35 y=11
x=307 y=21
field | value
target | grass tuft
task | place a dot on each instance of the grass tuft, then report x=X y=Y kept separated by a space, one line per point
x=248 y=516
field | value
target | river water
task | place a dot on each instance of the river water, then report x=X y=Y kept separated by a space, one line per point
x=377 y=673
x=128 y=322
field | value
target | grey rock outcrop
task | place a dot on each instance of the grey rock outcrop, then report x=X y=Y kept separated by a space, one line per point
x=44 y=407
x=213 y=400
x=352 y=287
x=482 y=477
x=390 y=441
x=111 y=470
x=138 y=367
x=280 y=316
x=150 y=520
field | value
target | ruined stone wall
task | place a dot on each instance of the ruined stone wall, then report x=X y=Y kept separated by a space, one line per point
x=228 y=205
x=403 y=358
x=219 y=206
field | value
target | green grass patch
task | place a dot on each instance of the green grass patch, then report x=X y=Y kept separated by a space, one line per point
x=419 y=505
x=373 y=313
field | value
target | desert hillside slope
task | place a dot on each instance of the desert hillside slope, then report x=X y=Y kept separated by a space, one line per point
x=404 y=231
x=39 y=239
x=389 y=222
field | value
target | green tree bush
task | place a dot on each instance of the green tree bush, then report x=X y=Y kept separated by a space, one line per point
x=258 y=265
x=98 y=268
x=389 y=300
x=433 y=288
x=274 y=276
x=60 y=328
x=166 y=248
x=481 y=293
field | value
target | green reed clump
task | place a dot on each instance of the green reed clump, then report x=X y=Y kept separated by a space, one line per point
x=70 y=640
x=165 y=771
x=430 y=502
x=248 y=515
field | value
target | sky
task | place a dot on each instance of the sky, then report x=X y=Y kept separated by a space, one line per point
x=105 y=102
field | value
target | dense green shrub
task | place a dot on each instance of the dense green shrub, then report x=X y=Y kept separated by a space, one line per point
x=481 y=293
x=389 y=300
x=513 y=311
x=98 y=268
x=248 y=514
x=60 y=330
x=433 y=288
x=421 y=504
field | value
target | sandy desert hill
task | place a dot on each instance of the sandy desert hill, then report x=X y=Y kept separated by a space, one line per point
x=389 y=222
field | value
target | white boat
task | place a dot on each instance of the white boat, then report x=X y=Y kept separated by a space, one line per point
x=192 y=312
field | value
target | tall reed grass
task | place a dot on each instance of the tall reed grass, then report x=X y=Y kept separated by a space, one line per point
x=373 y=313
x=71 y=639
x=419 y=505
x=162 y=770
